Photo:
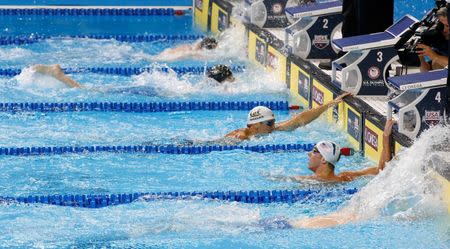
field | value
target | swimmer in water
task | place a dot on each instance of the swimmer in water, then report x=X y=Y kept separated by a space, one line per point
x=220 y=73
x=319 y=163
x=187 y=50
x=261 y=120
x=325 y=155
x=56 y=72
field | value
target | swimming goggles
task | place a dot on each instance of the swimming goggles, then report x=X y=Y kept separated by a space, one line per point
x=269 y=122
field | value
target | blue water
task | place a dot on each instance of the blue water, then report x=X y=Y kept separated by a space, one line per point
x=29 y=25
x=416 y=8
x=180 y=223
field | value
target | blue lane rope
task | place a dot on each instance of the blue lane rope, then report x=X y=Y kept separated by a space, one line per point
x=151 y=149
x=20 y=40
x=127 y=71
x=90 y=12
x=256 y=197
x=142 y=107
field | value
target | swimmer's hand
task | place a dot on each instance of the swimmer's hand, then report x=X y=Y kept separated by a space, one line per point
x=340 y=98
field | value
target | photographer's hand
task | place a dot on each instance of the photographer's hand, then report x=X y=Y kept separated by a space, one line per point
x=425 y=50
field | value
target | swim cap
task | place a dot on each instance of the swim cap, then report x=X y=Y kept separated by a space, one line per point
x=330 y=151
x=259 y=114
x=208 y=43
x=219 y=72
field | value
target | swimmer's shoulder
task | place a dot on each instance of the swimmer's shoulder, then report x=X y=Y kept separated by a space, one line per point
x=345 y=176
x=241 y=134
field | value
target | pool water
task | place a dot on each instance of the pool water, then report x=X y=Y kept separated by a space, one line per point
x=401 y=213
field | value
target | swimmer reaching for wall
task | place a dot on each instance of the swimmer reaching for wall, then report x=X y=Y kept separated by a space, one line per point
x=187 y=50
x=321 y=161
x=261 y=120
x=325 y=154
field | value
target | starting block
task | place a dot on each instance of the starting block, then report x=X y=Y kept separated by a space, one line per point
x=422 y=103
x=310 y=36
x=365 y=67
x=266 y=13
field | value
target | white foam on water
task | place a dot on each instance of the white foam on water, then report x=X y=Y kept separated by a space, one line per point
x=229 y=217
x=253 y=80
x=232 y=44
x=16 y=53
x=85 y=51
x=406 y=189
x=29 y=79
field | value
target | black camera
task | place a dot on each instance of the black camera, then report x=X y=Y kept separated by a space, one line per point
x=428 y=31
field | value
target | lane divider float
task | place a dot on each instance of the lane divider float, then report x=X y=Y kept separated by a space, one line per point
x=90 y=12
x=127 y=71
x=142 y=107
x=253 y=196
x=151 y=149
x=20 y=40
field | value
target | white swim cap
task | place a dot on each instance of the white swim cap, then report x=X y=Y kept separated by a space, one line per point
x=329 y=150
x=259 y=114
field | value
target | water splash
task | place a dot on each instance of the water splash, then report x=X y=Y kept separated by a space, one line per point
x=253 y=80
x=406 y=189
x=29 y=79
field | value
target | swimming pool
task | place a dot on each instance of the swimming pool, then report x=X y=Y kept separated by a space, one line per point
x=404 y=223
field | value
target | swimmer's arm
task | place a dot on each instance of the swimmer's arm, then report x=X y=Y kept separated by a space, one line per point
x=180 y=52
x=67 y=80
x=308 y=116
x=330 y=220
x=288 y=178
x=56 y=72
x=386 y=154
x=351 y=175
x=384 y=157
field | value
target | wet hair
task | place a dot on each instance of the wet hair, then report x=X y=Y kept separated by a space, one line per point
x=442 y=12
x=208 y=43
x=219 y=72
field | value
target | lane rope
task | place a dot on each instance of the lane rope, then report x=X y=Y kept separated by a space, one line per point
x=142 y=107
x=253 y=196
x=90 y=12
x=20 y=40
x=151 y=149
x=128 y=71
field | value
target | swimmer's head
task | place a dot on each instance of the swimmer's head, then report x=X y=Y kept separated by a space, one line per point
x=324 y=153
x=208 y=43
x=262 y=119
x=220 y=73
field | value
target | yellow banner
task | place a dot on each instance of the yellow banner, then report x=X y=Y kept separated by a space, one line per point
x=201 y=10
x=256 y=49
x=373 y=141
x=294 y=85
x=320 y=95
x=276 y=61
x=219 y=18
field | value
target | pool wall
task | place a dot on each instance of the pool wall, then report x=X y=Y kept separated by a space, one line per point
x=309 y=86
